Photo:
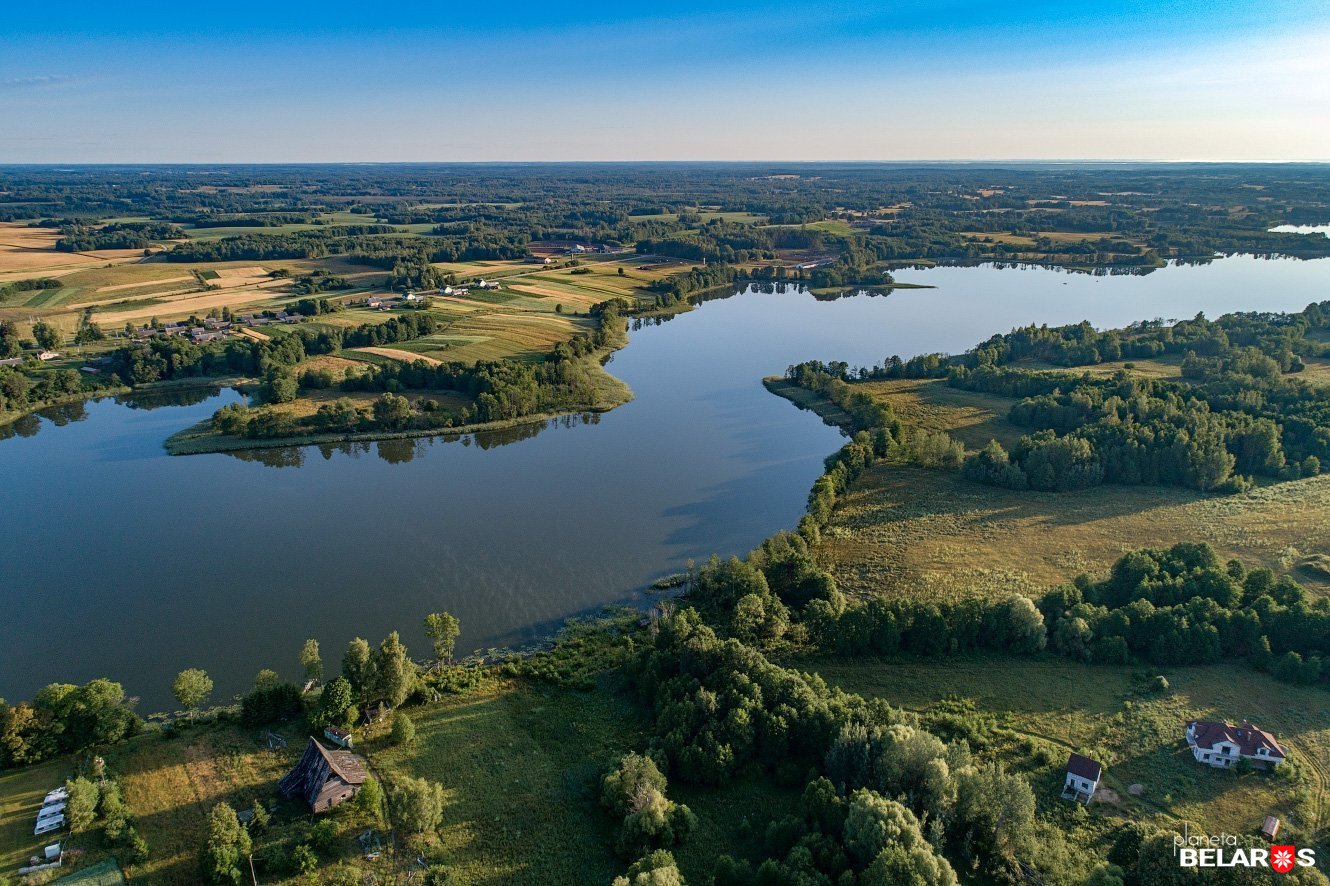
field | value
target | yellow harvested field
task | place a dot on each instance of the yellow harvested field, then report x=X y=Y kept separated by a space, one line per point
x=404 y=356
x=197 y=303
x=24 y=250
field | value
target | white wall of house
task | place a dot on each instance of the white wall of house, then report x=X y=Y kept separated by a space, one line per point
x=1077 y=783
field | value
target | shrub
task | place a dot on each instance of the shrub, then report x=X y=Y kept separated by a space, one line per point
x=404 y=731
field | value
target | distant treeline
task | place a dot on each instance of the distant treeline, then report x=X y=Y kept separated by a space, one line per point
x=268 y=247
x=17 y=286
x=121 y=235
x=269 y=220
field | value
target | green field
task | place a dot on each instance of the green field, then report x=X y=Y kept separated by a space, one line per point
x=922 y=533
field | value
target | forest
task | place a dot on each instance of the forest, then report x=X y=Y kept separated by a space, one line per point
x=1241 y=412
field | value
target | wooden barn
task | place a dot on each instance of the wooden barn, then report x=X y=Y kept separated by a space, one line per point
x=324 y=778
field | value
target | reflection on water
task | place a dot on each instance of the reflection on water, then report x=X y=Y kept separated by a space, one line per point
x=175 y=395
x=406 y=449
x=151 y=563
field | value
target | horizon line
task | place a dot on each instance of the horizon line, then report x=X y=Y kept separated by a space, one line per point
x=657 y=162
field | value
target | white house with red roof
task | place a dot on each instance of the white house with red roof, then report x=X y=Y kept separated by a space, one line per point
x=1222 y=745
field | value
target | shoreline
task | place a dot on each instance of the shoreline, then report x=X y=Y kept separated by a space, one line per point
x=200 y=439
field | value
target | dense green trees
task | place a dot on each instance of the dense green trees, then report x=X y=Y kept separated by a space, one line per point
x=270 y=700
x=634 y=794
x=337 y=705
x=225 y=856
x=47 y=336
x=119 y=235
x=63 y=718
x=1240 y=412
x=386 y=674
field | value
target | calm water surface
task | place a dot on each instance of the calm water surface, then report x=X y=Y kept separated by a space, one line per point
x=118 y=560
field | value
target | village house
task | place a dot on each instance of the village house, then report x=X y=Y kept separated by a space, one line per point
x=1219 y=744
x=487 y=284
x=323 y=778
x=1082 y=780
x=45 y=356
x=198 y=335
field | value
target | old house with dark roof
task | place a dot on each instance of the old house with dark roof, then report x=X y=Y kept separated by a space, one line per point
x=324 y=778
x=1222 y=745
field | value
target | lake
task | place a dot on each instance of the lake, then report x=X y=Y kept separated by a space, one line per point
x=120 y=561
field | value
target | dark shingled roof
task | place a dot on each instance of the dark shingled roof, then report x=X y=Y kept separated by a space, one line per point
x=317 y=767
x=1084 y=767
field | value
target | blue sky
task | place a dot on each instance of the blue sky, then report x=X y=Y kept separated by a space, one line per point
x=912 y=80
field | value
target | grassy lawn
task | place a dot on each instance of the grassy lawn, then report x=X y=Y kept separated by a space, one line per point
x=1042 y=708
x=931 y=404
x=930 y=534
x=21 y=793
x=169 y=784
x=906 y=530
x=521 y=766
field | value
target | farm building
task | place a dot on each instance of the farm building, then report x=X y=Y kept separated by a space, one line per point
x=1222 y=745
x=323 y=778
x=1082 y=780
x=1270 y=828
x=338 y=736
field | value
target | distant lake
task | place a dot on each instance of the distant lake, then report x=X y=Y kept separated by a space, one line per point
x=1302 y=229
x=118 y=560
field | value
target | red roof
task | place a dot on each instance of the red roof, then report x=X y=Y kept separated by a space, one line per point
x=1247 y=737
x=1084 y=767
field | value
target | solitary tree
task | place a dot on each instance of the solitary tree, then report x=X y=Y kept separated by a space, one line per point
x=311 y=661
x=192 y=688
x=443 y=628
x=336 y=704
x=47 y=336
x=394 y=672
x=81 y=804
x=228 y=844
x=369 y=799
x=357 y=667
